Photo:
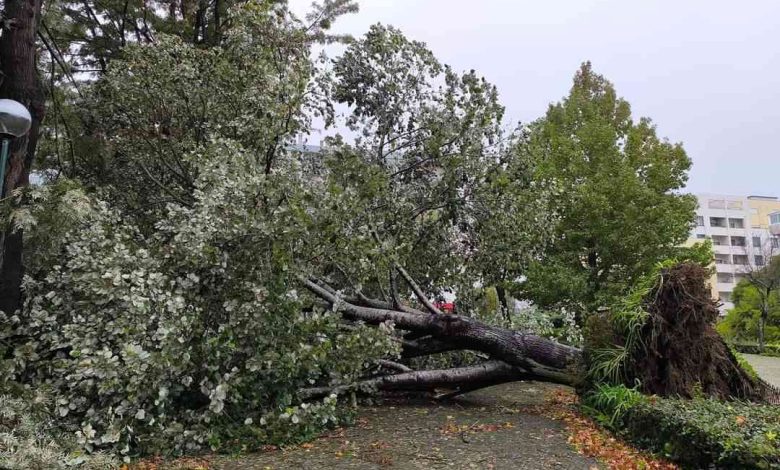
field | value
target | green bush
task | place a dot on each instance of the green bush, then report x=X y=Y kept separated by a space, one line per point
x=703 y=432
x=697 y=433
x=770 y=349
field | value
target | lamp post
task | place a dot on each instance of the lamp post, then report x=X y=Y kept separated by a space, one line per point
x=15 y=121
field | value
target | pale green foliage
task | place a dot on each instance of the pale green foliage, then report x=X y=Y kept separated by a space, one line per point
x=559 y=324
x=163 y=311
x=174 y=333
x=165 y=101
x=27 y=442
x=610 y=404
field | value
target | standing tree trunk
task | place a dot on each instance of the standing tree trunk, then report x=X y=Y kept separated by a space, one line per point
x=503 y=303
x=20 y=82
x=762 y=321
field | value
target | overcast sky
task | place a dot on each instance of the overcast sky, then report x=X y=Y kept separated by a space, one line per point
x=706 y=72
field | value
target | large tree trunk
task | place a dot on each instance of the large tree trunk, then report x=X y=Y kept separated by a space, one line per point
x=679 y=350
x=526 y=355
x=20 y=82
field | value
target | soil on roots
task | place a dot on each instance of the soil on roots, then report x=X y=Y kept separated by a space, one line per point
x=681 y=353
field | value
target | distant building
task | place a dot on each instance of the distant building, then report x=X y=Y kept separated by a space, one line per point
x=745 y=232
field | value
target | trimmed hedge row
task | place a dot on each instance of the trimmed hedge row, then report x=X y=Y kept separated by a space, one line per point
x=701 y=433
x=770 y=349
x=697 y=433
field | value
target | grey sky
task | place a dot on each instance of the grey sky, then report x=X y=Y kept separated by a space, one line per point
x=706 y=72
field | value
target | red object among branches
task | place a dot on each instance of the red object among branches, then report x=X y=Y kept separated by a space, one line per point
x=445 y=307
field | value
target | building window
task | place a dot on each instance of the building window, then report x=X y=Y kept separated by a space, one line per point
x=717 y=222
x=775 y=242
x=736 y=223
x=724 y=296
x=725 y=278
x=759 y=260
x=722 y=259
x=740 y=259
x=737 y=241
x=757 y=242
x=774 y=218
x=720 y=240
x=700 y=221
x=700 y=236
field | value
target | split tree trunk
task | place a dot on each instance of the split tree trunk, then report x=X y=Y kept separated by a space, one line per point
x=20 y=82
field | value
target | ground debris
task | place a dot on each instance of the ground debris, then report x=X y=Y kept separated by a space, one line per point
x=592 y=440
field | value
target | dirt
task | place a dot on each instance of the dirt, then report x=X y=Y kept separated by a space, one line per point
x=487 y=429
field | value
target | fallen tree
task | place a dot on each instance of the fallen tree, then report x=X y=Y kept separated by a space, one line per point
x=676 y=351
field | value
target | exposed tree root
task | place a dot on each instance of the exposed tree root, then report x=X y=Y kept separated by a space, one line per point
x=681 y=354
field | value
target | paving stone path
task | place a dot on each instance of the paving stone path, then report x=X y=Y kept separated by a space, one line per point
x=423 y=434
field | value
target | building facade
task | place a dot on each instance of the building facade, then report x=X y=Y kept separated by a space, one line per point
x=745 y=233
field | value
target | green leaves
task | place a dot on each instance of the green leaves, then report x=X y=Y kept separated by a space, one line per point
x=616 y=194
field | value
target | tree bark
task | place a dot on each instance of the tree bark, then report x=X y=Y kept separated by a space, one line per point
x=503 y=303
x=461 y=379
x=529 y=355
x=20 y=82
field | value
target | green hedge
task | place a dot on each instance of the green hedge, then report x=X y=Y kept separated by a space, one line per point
x=701 y=433
x=698 y=433
x=770 y=349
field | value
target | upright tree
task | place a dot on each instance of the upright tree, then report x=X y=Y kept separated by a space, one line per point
x=616 y=186
x=764 y=278
x=20 y=82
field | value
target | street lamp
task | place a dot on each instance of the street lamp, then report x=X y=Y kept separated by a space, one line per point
x=15 y=121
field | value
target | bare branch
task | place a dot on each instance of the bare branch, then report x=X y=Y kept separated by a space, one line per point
x=417 y=291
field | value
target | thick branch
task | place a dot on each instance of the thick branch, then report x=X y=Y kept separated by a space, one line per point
x=425 y=347
x=488 y=373
x=538 y=356
x=394 y=365
x=417 y=291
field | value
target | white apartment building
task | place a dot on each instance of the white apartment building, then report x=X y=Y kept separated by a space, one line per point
x=743 y=230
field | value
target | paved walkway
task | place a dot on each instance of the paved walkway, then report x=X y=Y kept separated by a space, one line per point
x=767 y=367
x=487 y=429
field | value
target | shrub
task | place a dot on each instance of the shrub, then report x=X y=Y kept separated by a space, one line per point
x=743 y=363
x=705 y=432
x=698 y=433
x=770 y=349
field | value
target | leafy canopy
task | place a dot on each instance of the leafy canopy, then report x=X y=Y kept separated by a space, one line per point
x=616 y=193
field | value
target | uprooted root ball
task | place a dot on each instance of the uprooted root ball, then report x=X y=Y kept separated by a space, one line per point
x=680 y=353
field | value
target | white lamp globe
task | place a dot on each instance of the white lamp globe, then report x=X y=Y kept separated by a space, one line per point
x=15 y=119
